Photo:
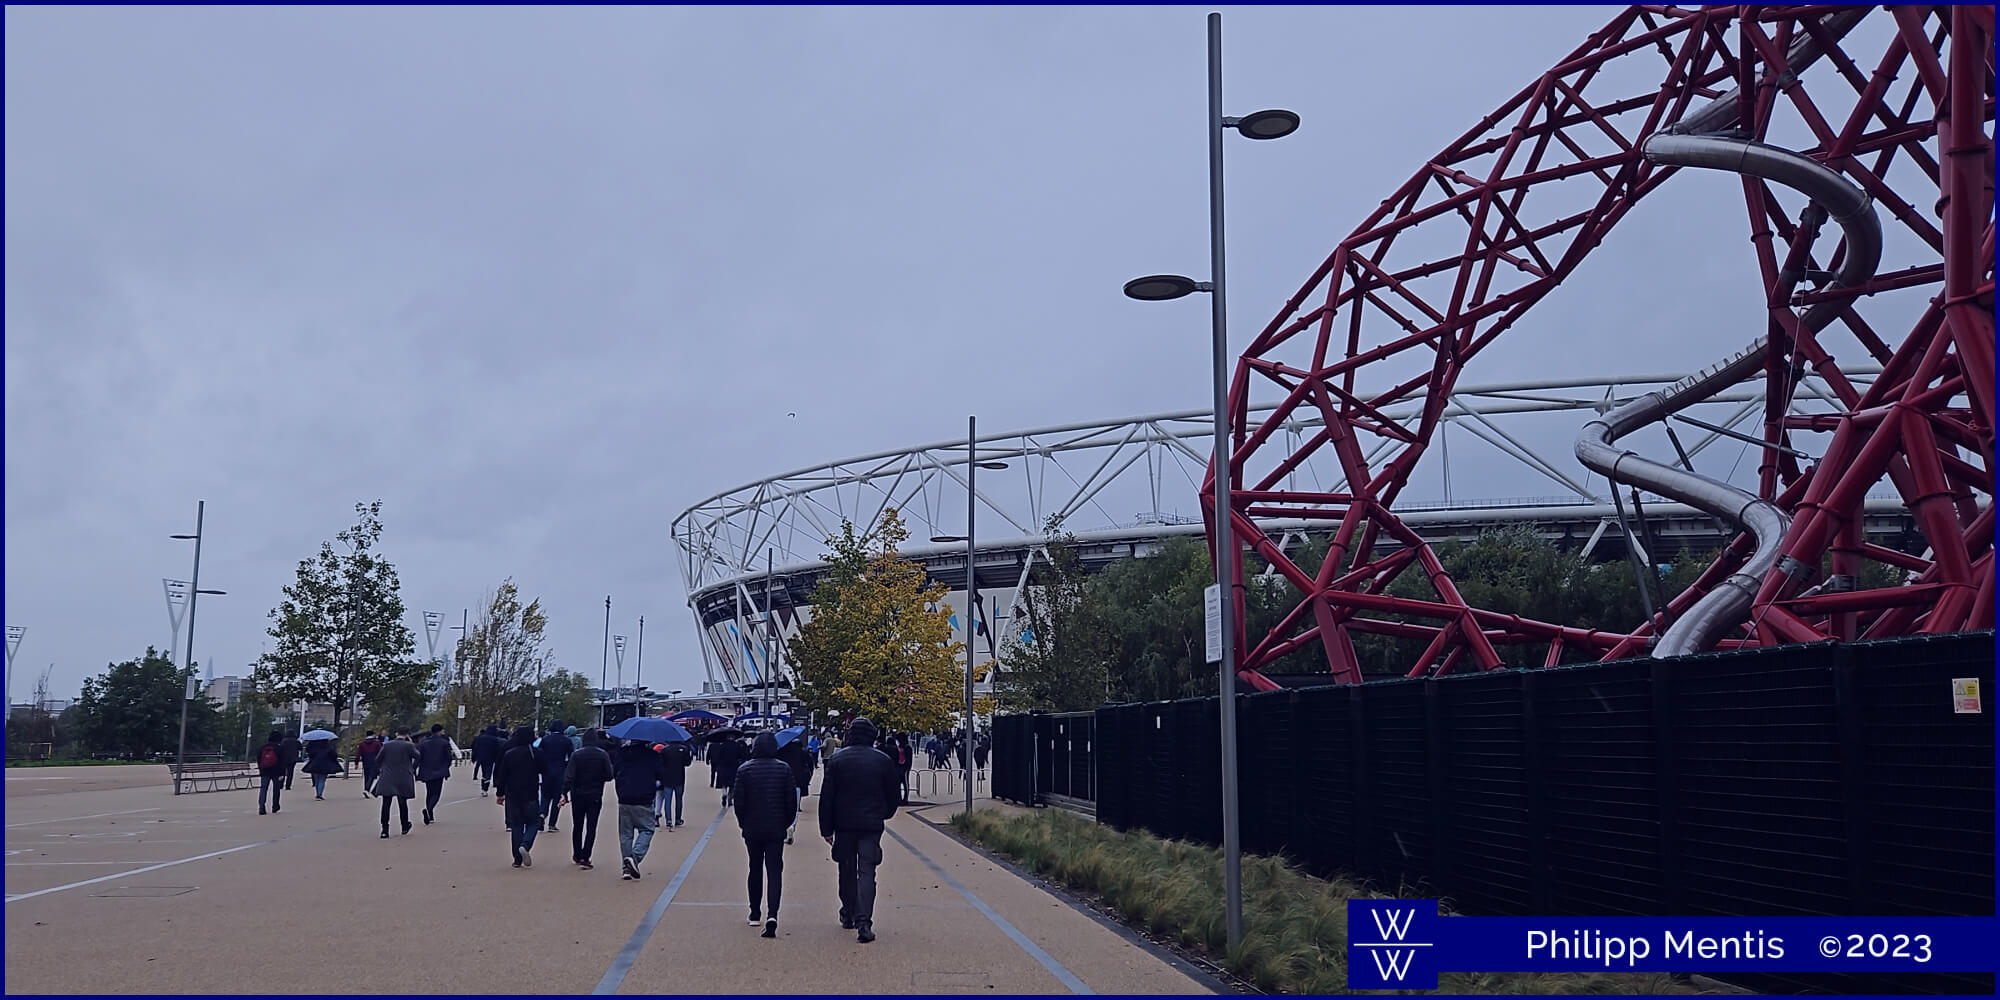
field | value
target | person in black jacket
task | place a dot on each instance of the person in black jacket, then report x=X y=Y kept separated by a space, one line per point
x=517 y=782
x=291 y=748
x=793 y=754
x=486 y=749
x=589 y=769
x=641 y=773
x=434 y=757
x=271 y=771
x=859 y=793
x=673 y=795
x=555 y=749
x=723 y=758
x=766 y=797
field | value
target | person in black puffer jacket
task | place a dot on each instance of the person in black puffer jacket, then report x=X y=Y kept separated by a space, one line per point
x=555 y=748
x=434 y=757
x=766 y=797
x=517 y=785
x=589 y=769
x=858 y=795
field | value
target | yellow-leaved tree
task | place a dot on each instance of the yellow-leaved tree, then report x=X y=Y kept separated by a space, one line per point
x=880 y=642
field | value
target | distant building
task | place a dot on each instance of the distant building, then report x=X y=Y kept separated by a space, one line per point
x=227 y=689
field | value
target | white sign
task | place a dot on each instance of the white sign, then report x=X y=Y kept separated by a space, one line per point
x=461 y=711
x=194 y=688
x=1965 y=696
x=1211 y=603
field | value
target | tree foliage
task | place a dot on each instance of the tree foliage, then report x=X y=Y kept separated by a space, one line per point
x=567 y=696
x=134 y=709
x=1056 y=659
x=880 y=641
x=497 y=659
x=339 y=630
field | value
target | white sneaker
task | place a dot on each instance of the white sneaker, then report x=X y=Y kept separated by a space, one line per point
x=527 y=860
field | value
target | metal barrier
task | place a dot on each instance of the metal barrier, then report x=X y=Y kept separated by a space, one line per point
x=943 y=781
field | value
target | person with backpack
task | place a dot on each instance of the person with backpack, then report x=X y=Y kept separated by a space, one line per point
x=434 y=757
x=675 y=757
x=767 y=805
x=517 y=780
x=554 y=751
x=583 y=782
x=366 y=753
x=270 y=771
x=486 y=750
x=398 y=778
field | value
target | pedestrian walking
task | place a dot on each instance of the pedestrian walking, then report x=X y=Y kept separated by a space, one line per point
x=675 y=758
x=857 y=797
x=291 y=747
x=434 y=757
x=270 y=770
x=398 y=779
x=321 y=760
x=583 y=782
x=367 y=753
x=767 y=805
x=486 y=750
x=641 y=774
x=723 y=758
x=980 y=749
x=517 y=783
x=794 y=756
x=554 y=750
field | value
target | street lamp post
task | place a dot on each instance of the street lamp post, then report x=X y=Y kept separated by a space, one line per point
x=1272 y=124
x=639 y=670
x=14 y=634
x=194 y=595
x=604 y=666
x=972 y=467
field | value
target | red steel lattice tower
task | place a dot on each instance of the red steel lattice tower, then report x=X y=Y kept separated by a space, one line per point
x=1891 y=141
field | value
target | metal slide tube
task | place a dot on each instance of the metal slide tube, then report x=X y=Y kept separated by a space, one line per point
x=1723 y=608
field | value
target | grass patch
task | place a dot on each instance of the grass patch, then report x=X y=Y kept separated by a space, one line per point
x=1294 y=925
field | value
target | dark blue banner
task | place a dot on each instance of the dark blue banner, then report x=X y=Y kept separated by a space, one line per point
x=1404 y=944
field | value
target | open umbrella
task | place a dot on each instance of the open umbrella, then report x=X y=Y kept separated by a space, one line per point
x=787 y=735
x=318 y=734
x=693 y=714
x=726 y=733
x=649 y=730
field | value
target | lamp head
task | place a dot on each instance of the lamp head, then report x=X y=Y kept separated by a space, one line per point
x=1161 y=287
x=1275 y=123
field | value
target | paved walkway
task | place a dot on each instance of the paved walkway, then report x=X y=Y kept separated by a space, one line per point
x=116 y=885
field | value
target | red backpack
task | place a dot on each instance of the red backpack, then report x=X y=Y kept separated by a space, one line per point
x=267 y=758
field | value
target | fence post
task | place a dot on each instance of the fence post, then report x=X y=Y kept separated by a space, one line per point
x=1534 y=775
x=1848 y=713
x=1666 y=782
x=1364 y=816
x=1435 y=763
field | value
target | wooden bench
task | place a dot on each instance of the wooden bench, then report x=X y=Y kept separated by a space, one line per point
x=189 y=777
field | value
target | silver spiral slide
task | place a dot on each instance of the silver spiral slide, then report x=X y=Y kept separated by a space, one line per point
x=1725 y=607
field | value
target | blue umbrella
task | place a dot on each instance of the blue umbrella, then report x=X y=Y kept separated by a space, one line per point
x=649 y=730
x=787 y=735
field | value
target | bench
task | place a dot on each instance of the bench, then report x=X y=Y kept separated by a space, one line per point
x=219 y=777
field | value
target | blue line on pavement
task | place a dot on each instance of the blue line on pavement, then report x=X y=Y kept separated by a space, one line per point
x=630 y=953
x=1034 y=950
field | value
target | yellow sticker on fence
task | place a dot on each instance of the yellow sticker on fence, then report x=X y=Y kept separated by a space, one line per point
x=1965 y=696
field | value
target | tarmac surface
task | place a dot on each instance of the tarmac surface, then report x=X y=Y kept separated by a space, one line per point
x=115 y=885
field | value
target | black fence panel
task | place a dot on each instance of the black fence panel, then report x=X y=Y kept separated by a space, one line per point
x=1802 y=780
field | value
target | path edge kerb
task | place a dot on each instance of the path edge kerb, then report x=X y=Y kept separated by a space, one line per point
x=1200 y=975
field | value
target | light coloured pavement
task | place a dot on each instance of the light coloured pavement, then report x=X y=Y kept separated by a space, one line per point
x=115 y=885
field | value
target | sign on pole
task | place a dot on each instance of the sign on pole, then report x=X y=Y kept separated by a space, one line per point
x=194 y=688
x=461 y=710
x=1211 y=605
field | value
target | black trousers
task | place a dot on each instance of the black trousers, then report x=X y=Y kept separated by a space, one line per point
x=857 y=852
x=401 y=802
x=433 y=790
x=766 y=857
x=583 y=826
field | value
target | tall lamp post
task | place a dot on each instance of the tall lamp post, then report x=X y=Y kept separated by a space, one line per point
x=194 y=595
x=14 y=634
x=1272 y=124
x=972 y=467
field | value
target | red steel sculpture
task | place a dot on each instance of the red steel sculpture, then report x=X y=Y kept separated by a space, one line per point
x=1482 y=232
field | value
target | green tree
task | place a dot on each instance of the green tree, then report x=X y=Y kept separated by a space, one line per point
x=1150 y=612
x=568 y=696
x=880 y=640
x=339 y=631
x=496 y=659
x=1056 y=660
x=134 y=709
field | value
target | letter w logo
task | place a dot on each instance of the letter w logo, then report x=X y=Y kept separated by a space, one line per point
x=1392 y=964
x=1396 y=926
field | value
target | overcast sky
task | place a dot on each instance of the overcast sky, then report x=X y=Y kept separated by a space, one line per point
x=541 y=279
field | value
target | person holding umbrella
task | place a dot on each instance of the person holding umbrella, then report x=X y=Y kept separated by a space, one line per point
x=641 y=775
x=398 y=778
x=517 y=783
x=766 y=807
x=321 y=760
